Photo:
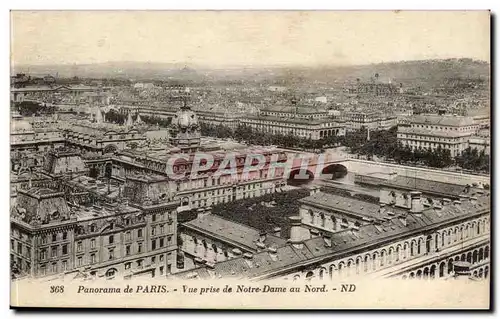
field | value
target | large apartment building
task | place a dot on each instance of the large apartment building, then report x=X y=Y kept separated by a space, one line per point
x=433 y=131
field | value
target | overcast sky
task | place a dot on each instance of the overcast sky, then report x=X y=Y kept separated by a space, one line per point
x=247 y=38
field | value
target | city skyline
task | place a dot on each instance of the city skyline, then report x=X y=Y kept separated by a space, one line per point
x=258 y=39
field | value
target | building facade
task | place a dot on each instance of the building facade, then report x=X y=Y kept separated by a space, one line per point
x=432 y=131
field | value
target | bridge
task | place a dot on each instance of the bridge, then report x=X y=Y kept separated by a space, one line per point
x=338 y=166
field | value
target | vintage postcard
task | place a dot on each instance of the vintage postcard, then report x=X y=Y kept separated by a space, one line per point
x=250 y=159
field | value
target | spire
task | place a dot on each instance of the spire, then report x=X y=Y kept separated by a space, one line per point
x=138 y=120
x=130 y=122
x=98 y=116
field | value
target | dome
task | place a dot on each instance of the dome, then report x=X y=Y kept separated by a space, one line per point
x=185 y=119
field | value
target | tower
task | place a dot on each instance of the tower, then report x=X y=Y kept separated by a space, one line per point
x=185 y=128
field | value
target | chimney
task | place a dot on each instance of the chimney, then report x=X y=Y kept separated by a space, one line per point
x=416 y=203
x=457 y=202
x=403 y=220
x=262 y=236
x=248 y=259
x=236 y=252
x=277 y=231
x=295 y=231
x=382 y=208
x=273 y=253
x=328 y=240
x=248 y=256
x=473 y=199
x=446 y=201
x=314 y=190
x=314 y=232
x=464 y=197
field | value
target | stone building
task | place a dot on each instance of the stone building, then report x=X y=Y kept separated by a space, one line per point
x=53 y=236
x=423 y=241
x=432 y=131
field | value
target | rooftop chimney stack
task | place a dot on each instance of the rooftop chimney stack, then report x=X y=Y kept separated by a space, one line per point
x=382 y=208
x=277 y=231
x=314 y=190
x=416 y=203
x=403 y=220
x=295 y=231
x=262 y=236
x=314 y=233
x=328 y=240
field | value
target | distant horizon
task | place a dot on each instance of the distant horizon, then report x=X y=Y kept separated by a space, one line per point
x=231 y=39
x=233 y=66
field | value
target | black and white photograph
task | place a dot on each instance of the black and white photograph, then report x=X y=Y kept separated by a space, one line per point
x=250 y=159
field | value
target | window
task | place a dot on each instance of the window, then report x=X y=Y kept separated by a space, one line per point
x=162 y=242
x=64 y=265
x=111 y=253
x=92 y=259
x=12 y=244
x=111 y=239
x=153 y=244
x=65 y=249
x=54 y=237
x=153 y=259
x=162 y=229
x=79 y=261
x=20 y=248
x=42 y=270
x=139 y=248
x=153 y=217
x=161 y=270
x=54 y=267
x=127 y=266
x=44 y=240
x=139 y=233
x=127 y=236
x=127 y=250
x=169 y=238
x=53 y=252
x=153 y=231
x=92 y=243
x=65 y=235
x=139 y=263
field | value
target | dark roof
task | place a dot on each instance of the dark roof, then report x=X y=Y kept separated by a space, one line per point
x=263 y=264
x=425 y=186
x=349 y=205
x=232 y=232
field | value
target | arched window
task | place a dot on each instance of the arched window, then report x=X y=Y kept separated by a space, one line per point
x=428 y=244
x=309 y=275
x=322 y=273
x=110 y=273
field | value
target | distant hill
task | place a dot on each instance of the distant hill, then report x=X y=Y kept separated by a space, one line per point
x=425 y=70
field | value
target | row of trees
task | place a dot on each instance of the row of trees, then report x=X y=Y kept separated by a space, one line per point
x=243 y=133
x=116 y=117
x=30 y=108
x=385 y=144
x=473 y=159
